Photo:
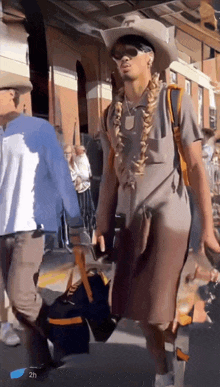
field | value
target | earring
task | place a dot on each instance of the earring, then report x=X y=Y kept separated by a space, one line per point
x=150 y=62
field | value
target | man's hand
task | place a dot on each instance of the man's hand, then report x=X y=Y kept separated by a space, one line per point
x=98 y=238
x=209 y=240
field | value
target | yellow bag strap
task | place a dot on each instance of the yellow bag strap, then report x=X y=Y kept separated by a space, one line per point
x=80 y=261
x=174 y=99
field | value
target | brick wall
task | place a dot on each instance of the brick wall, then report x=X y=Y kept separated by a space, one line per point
x=181 y=80
x=217 y=98
x=63 y=101
x=25 y=103
x=209 y=68
x=218 y=67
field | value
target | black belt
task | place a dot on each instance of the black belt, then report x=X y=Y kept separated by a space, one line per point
x=120 y=221
x=97 y=178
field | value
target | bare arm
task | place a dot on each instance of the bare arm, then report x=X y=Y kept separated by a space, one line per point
x=107 y=198
x=199 y=183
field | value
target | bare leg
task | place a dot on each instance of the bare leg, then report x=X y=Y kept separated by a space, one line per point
x=156 y=344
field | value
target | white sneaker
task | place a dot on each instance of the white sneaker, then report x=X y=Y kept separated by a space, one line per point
x=166 y=380
x=8 y=335
x=17 y=325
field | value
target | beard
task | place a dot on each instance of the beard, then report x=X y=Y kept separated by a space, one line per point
x=127 y=78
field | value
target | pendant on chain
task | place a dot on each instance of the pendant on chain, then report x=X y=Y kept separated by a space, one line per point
x=129 y=122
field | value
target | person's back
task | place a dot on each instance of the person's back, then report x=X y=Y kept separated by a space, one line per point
x=31 y=168
x=34 y=182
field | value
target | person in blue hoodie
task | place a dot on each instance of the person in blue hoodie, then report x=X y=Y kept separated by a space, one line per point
x=35 y=184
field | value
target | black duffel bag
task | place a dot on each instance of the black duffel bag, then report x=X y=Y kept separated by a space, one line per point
x=85 y=301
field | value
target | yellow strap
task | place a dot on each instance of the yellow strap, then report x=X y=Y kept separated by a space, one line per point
x=184 y=319
x=169 y=102
x=104 y=278
x=66 y=321
x=181 y=355
x=80 y=261
x=177 y=135
x=180 y=101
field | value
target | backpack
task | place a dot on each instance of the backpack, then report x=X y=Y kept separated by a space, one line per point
x=174 y=99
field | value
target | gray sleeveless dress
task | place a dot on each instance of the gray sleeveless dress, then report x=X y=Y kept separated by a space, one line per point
x=145 y=286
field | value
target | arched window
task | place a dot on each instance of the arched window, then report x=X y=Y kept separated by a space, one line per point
x=114 y=85
x=82 y=100
x=39 y=70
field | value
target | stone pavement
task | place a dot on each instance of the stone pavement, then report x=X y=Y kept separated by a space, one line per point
x=123 y=361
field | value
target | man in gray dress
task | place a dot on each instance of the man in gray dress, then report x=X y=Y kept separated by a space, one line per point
x=142 y=180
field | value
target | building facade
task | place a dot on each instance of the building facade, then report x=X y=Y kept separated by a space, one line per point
x=74 y=79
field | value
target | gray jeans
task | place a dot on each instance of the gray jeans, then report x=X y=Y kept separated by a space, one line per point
x=20 y=257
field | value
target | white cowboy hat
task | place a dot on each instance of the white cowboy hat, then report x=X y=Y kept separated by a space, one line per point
x=150 y=29
x=14 y=81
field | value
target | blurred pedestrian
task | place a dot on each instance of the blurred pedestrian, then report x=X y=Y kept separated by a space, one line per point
x=63 y=233
x=82 y=185
x=142 y=179
x=208 y=150
x=34 y=182
x=70 y=155
x=95 y=156
x=208 y=143
x=8 y=334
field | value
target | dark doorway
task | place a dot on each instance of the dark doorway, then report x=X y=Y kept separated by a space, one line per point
x=39 y=70
x=82 y=100
x=114 y=85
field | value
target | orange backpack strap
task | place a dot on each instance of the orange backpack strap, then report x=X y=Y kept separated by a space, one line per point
x=80 y=261
x=174 y=99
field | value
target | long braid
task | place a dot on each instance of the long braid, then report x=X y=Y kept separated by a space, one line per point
x=117 y=126
x=152 y=97
x=148 y=115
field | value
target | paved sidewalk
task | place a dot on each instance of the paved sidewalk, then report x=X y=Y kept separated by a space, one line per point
x=121 y=362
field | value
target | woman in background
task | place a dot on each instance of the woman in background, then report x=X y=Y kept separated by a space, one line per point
x=70 y=156
x=69 y=153
x=8 y=334
x=82 y=185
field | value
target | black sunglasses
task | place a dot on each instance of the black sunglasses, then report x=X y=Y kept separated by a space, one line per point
x=131 y=52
